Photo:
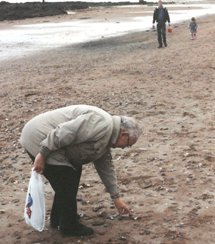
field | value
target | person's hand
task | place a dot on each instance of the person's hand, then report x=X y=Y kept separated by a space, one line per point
x=39 y=163
x=121 y=206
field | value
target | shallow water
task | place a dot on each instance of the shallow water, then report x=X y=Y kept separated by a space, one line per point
x=25 y=39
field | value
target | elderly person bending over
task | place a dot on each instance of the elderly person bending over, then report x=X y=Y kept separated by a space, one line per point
x=61 y=141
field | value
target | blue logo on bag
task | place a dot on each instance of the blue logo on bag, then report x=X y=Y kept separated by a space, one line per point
x=28 y=205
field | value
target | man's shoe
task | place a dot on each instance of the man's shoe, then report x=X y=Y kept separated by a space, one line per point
x=55 y=225
x=78 y=230
x=160 y=46
x=165 y=44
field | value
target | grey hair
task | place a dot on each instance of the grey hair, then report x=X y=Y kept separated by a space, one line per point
x=131 y=126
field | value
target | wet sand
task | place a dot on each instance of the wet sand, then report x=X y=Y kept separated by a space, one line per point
x=25 y=37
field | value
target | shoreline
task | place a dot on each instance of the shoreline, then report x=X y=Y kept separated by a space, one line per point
x=21 y=37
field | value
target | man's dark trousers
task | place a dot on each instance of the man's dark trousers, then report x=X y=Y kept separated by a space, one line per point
x=161 y=32
x=64 y=181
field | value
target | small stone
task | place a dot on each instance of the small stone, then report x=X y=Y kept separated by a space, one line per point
x=103 y=214
x=123 y=238
x=98 y=221
x=101 y=232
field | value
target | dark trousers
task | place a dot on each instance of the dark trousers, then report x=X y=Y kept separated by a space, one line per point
x=161 y=32
x=64 y=181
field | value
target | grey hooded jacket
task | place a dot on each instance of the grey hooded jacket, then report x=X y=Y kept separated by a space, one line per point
x=75 y=135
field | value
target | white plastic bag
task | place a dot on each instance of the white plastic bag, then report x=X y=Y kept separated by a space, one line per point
x=34 y=212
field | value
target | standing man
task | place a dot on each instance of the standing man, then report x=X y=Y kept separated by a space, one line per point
x=161 y=16
x=61 y=141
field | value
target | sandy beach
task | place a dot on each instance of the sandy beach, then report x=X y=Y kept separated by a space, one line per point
x=167 y=178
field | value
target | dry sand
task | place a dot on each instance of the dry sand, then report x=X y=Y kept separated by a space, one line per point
x=167 y=177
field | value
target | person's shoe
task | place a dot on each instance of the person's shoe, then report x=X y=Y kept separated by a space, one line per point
x=55 y=225
x=165 y=44
x=160 y=46
x=79 y=230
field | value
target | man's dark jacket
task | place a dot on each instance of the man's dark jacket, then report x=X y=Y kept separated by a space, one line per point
x=165 y=16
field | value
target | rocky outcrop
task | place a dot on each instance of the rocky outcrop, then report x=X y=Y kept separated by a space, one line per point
x=14 y=11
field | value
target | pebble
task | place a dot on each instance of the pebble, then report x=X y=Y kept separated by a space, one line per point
x=98 y=221
x=123 y=238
